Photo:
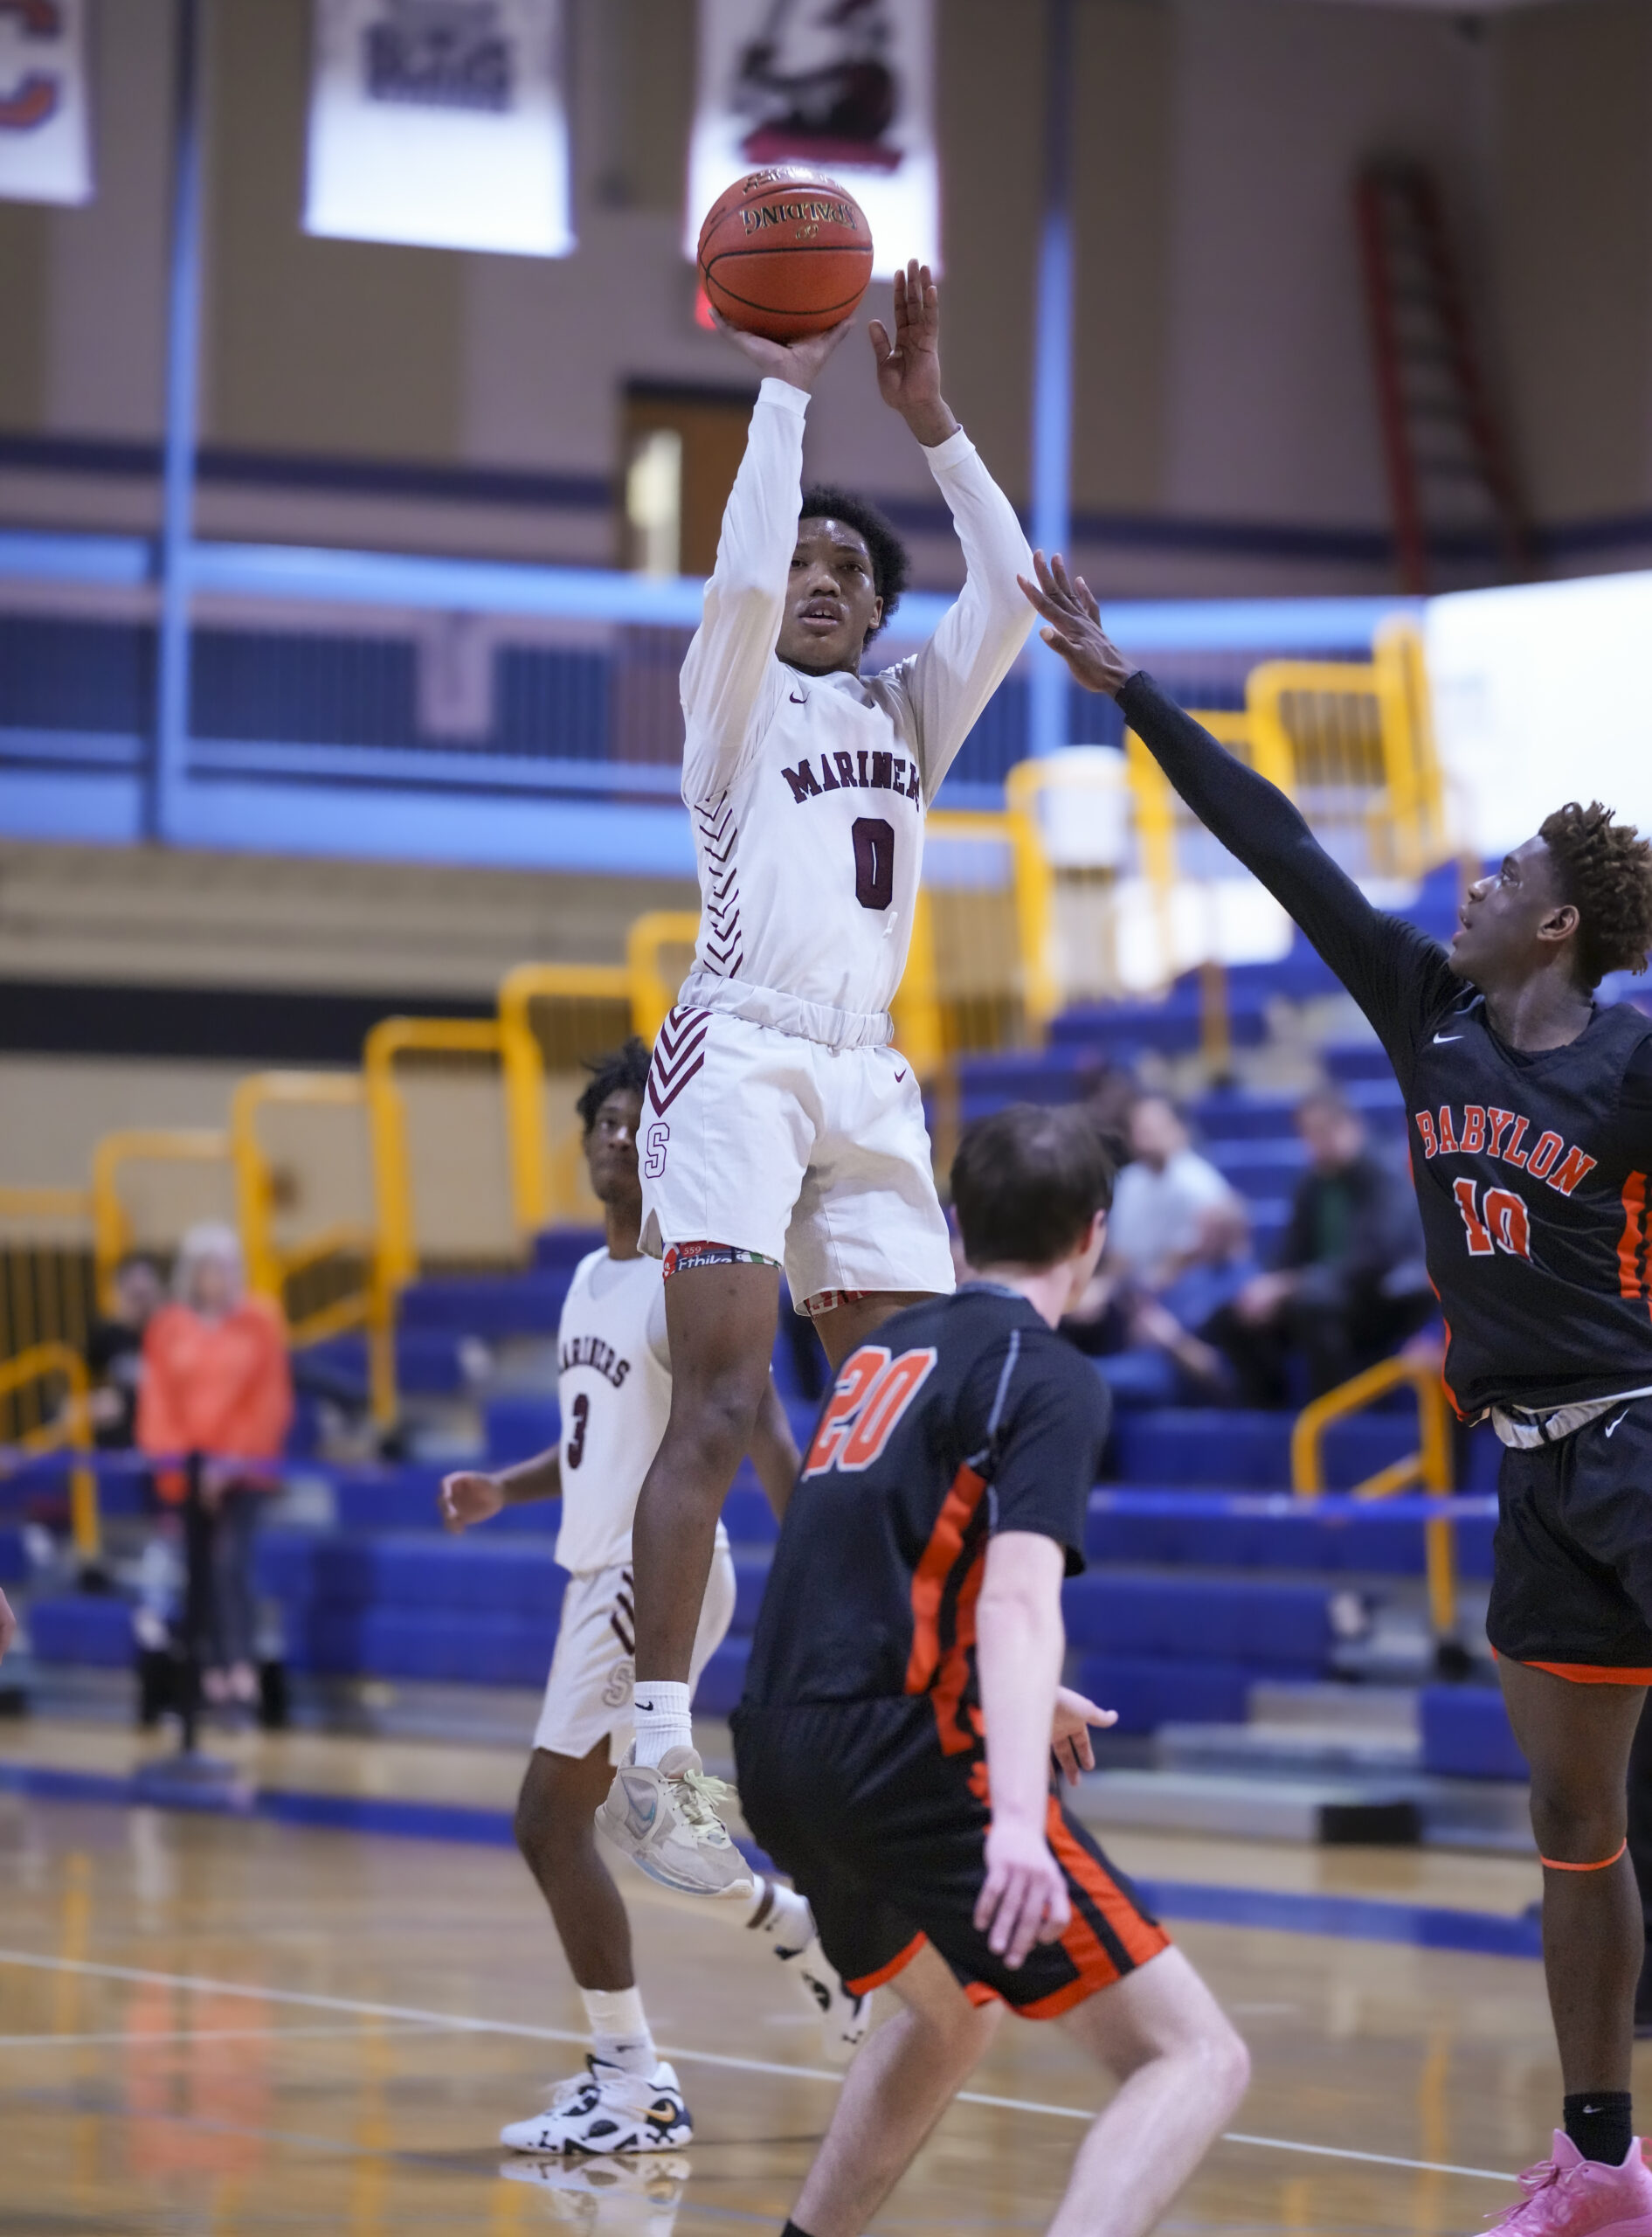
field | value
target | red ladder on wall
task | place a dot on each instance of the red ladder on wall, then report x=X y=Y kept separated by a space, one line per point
x=1449 y=472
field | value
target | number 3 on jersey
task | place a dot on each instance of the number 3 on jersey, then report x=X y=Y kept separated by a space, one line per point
x=579 y=1415
x=871 y=1394
x=1504 y=1226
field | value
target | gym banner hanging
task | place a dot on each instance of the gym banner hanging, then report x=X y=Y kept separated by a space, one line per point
x=46 y=140
x=846 y=86
x=441 y=124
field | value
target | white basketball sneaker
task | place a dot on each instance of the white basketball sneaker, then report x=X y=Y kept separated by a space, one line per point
x=664 y=1817
x=844 y=2016
x=606 y=2109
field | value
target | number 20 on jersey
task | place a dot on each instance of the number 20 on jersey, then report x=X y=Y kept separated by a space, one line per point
x=871 y=1394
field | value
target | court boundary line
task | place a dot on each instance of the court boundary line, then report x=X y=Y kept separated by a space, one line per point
x=464 y=2023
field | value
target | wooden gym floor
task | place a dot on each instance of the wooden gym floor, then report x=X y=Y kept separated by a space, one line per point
x=233 y=2025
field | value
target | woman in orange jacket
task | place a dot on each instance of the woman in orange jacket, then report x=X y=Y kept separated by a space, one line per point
x=217 y=1383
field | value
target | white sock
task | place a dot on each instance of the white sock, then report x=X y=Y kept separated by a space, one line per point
x=663 y=1722
x=620 y=2033
x=784 y=1915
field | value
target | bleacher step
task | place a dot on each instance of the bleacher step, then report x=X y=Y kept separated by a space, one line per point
x=1310 y=1751
x=1385 y=1810
x=1322 y=1811
x=1390 y=1709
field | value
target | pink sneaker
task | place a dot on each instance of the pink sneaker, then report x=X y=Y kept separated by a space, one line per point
x=1570 y=2196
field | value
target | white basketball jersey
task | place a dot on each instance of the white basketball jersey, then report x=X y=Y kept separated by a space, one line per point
x=614 y=1389
x=807 y=793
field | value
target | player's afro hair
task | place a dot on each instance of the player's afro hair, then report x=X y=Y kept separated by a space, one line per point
x=623 y=1068
x=891 y=562
x=1605 y=870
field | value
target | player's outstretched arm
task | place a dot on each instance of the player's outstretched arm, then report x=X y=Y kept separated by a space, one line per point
x=8 y=1625
x=470 y=1495
x=970 y=654
x=1394 y=972
x=1018 y=1644
x=731 y=661
x=774 y=1452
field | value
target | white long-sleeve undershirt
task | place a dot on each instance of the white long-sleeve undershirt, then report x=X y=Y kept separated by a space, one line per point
x=807 y=793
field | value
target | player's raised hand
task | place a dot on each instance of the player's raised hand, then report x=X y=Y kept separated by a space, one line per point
x=799 y=363
x=1070 y=1732
x=1024 y=1898
x=467 y=1496
x=908 y=367
x=1068 y=605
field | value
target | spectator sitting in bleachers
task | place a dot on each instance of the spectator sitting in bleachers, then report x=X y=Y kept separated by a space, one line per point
x=217 y=1383
x=1350 y=1286
x=1178 y=1250
x=114 y=1351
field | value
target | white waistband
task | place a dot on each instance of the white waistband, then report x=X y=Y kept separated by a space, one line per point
x=1523 y=1429
x=787 y=1013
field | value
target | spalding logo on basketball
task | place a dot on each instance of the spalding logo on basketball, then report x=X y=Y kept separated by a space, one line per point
x=785 y=253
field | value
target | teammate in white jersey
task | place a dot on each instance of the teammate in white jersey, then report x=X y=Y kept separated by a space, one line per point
x=614 y=1385
x=780 y=1125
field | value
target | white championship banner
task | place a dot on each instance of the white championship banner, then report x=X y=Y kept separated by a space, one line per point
x=45 y=138
x=441 y=124
x=844 y=86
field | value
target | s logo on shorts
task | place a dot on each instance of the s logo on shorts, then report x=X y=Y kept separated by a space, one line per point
x=653 y=1163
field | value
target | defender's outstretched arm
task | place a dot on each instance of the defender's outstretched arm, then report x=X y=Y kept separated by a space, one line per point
x=1394 y=972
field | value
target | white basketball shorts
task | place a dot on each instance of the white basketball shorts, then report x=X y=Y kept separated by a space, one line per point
x=816 y=1157
x=594 y=1671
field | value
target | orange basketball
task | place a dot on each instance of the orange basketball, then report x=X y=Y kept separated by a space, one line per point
x=785 y=253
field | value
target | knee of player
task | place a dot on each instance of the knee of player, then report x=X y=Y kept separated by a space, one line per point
x=1573 y=1820
x=1224 y=2057
x=719 y=1412
x=547 y=1831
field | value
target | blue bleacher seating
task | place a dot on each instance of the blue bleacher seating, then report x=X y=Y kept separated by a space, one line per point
x=1466 y=1733
x=1149 y=1690
x=83 y=1627
x=14 y=1557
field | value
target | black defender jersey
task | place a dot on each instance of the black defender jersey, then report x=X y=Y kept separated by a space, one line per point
x=1530 y=1167
x=964 y=1417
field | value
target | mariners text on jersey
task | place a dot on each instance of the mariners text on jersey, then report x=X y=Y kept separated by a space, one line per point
x=591 y=1351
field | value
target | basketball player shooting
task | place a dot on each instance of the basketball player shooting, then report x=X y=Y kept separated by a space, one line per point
x=780 y=1125
x=614 y=1385
x=1531 y=1139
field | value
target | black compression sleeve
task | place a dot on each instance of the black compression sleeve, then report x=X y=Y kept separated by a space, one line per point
x=1399 y=977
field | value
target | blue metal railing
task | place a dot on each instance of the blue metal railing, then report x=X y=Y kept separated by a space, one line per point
x=304 y=723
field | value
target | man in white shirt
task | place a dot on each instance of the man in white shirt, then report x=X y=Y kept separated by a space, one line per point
x=780 y=1125
x=1172 y=1208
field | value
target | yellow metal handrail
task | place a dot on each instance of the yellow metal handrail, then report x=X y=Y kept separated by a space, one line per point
x=653 y=990
x=392 y=1173
x=1429 y=1467
x=73 y=1430
x=69 y=1204
x=111 y=1228
x=535 y=1196
x=269 y=1267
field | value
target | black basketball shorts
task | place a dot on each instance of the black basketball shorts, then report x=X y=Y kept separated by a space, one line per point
x=1571 y=1561
x=884 y=1833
